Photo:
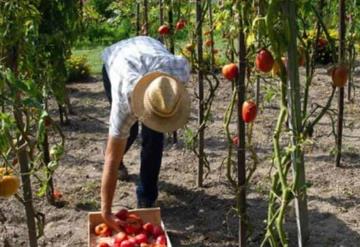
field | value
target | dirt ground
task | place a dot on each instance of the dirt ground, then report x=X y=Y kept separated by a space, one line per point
x=199 y=216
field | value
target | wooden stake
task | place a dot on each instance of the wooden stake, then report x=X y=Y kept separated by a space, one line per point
x=241 y=152
x=138 y=18
x=212 y=57
x=342 y=30
x=172 y=45
x=200 y=173
x=146 y=21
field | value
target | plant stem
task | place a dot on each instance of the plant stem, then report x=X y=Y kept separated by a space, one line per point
x=296 y=127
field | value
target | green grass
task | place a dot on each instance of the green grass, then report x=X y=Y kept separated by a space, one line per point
x=93 y=53
x=93 y=56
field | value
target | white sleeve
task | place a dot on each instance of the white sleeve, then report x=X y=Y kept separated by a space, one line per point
x=121 y=119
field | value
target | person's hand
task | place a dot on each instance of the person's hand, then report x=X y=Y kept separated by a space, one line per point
x=113 y=222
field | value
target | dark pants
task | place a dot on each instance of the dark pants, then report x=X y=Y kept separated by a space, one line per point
x=151 y=154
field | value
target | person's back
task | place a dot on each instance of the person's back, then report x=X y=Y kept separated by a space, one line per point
x=125 y=63
x=144 y=82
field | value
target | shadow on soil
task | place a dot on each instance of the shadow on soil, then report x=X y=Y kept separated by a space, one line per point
x=198 y=219
x=350 y=160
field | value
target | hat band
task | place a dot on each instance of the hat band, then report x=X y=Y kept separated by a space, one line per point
x=161 y=114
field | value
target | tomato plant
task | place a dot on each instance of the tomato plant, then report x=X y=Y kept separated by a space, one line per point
x=36 y=40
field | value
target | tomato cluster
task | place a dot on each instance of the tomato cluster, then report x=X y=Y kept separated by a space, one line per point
x=135 y=233
x=165 y=29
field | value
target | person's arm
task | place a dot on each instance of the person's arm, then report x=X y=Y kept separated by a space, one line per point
x=113 y=155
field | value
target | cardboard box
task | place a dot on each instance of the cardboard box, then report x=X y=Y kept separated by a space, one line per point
x=147 y=214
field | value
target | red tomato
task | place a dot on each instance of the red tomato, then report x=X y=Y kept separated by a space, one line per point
x=264 y=61
x=127 y=243
x=249 y=111
x=148 y=227
x=209 y=42
x=141 y=238
x=230 y=71
x=103 y=245
x=132 y=240
x=119 y=237
x=339 y=76
x=122 y=214
x=133 y=218
x=157 y=231
x=103 y=230
x=164 y=30
x=161 y=239
x=322 y=42
x=180 y=25
x=130 y=229
x=235 y=140
x=57 y=195
x=133 y=224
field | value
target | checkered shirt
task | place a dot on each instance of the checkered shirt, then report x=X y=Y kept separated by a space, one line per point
x=126 y=62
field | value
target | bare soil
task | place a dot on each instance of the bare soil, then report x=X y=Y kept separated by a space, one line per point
x=199 y=216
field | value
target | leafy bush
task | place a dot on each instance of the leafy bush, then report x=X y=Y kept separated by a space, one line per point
x=78 y=69
x=104 y=33
x=102 y=7
x=100 y=29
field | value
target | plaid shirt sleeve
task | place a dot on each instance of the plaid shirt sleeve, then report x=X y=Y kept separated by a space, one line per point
x=126 y=62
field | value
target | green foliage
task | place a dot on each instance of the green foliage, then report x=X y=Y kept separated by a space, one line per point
x=104 y=33
x=189 y=140
x=36 y=37
x=102 y=7
x=58 y=30
x=78 y=68
x=98 y=30
x=18 y=25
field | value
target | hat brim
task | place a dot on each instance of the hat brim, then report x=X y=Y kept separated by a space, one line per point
x=151 y=120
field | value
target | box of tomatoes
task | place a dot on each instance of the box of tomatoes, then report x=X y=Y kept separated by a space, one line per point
x=144 y=228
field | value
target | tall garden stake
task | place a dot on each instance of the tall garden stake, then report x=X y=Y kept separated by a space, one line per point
x=172 y=43
x=200 y=171
x=138 y=28
x=241 y=194
x=342 y=30
x=161 y=18
x=161 y=12
x=260 y=44
x=211 y=24
x=146 y=19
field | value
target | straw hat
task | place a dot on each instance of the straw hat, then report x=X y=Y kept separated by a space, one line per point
x=161 y=102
